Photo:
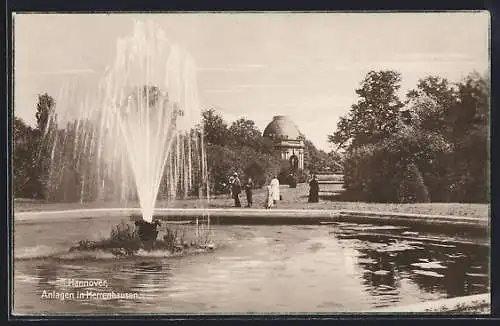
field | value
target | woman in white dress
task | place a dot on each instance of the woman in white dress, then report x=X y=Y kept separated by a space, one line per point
x=275 y=189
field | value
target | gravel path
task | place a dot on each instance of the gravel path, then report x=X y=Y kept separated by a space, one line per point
x=293 y=198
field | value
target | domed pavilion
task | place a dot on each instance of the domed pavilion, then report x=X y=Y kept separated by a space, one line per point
x=287 y=140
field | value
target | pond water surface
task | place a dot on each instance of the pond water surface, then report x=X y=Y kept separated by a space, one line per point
x=341 y=267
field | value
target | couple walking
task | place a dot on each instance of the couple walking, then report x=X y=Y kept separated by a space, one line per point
x=236 y=188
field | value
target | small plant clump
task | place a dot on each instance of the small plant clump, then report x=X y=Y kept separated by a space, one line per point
x=124 y=241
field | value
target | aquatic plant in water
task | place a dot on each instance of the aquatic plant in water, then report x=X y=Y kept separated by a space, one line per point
x=124 y=241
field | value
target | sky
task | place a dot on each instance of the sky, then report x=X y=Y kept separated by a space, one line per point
x=258 y=65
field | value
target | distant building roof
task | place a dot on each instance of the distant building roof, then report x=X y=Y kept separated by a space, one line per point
x=282 y=128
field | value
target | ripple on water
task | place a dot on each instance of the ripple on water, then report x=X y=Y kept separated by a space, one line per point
x=260 y=239
x=442 y=245
x=375 y=228
x=306 y=227
x=248 y=263
x=429 y=265
x=455 y=256
x=24 y=278
x=385 y=287
x=381 y=272
x=368 y=261
x=410 y=233
x=387 y=247
x=334 y=306
x=477 y=275
x=35 y=252
x=315 y=246
x=427 y=273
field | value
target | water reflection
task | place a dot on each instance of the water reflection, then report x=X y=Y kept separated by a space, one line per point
x=447 y=269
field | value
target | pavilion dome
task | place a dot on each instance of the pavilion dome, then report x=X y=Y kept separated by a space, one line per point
x=282 y=128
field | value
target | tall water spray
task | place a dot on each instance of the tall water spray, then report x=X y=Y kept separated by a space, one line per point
x=143 y=121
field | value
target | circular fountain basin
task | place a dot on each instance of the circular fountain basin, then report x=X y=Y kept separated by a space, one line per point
x=323 y=268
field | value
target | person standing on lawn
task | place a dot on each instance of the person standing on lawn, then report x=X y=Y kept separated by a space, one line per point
x=236 y=190
x=230 y=186
x=275 y=189
x=313 y=190
x=248 y=190
x=269 y=197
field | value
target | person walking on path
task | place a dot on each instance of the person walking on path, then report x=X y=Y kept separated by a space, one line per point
x=248 y=190
x=313 y=190
x=236 y=190
x=275 y=189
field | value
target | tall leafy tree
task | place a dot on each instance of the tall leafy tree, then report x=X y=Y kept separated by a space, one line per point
x=470 y=130
x=44 y=111
x=46 y=130
x=375 y=116
x=430 y=104
x=244 y=132
x=381 y=147
x=25 y=177
x=215 y=128
x=432 y=101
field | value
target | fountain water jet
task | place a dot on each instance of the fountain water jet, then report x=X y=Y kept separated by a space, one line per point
x=143 y=120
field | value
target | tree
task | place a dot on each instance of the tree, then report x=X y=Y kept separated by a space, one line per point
x=470 y=132
x=387 y=171
x=311 y=156
x=25 y=178
x=215 y=128
x=44 y=111
x=375 y=116
x=46 y=132
x=316 y=160
x=239 y=148
x=431 y=103
x=335 y=161
x=31 y=150
x=244 y=132
x=412 y=189
x=472 y=108
x=454 y=120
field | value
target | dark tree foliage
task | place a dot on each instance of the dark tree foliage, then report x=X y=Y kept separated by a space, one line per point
x=375 y=116
x=470 y=130
x=316 y=160
x=238 y=148
x=44 y=110
x=243 y=132
x=31 y=151
x=215 y=128
x=436 y=147
x=26 y=183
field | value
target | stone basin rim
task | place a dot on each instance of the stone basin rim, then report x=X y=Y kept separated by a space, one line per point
x=314 y=215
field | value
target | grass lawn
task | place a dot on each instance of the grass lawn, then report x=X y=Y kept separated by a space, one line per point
x=293 y=198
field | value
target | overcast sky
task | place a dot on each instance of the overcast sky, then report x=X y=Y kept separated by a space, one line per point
x=258 y=65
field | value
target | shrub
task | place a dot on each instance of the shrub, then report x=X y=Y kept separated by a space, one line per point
x=384 y=172
x=124 y=236
x=411 y=188
x=258 y=174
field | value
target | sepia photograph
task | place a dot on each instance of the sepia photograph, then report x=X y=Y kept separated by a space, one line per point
x=246 y=163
